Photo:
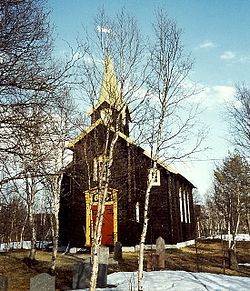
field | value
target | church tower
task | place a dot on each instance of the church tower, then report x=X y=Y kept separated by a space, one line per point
x=110 y=107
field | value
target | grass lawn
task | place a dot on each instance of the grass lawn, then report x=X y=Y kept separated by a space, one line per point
x=209 y=258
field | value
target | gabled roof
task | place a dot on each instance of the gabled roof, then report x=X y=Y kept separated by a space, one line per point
x=129 y=140
x=84 y=133
x=123 y=136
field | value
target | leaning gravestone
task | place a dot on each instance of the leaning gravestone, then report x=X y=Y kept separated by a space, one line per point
x=42 y=282
x=3 y=283
x=160 y=250
x=82 y=271
x=118 y=251
x=81 y=275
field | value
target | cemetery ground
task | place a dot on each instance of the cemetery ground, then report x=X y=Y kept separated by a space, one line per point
x=207 y=258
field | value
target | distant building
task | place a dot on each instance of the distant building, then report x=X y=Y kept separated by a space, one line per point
x=171 y=209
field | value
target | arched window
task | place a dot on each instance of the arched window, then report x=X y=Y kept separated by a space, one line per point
x=185 y=206
x=180 y=201
x=137 y=212
x=188 y=209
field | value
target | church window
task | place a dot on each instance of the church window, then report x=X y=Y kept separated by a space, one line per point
x=188 y=209
x=180 y=202
x=156 y=176
x=106 y=114
x=137 y=212
x=185 y=206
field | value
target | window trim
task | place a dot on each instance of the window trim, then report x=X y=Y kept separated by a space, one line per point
x=157 y=182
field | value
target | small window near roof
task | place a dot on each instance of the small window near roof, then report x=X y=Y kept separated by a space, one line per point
x=157 y=177
x=106 y=114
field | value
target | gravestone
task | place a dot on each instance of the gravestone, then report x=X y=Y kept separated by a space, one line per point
x=3 y=283
x=42 y=282
x=149 y=263
x=118 y=251
x=103 y=255
x=233 y=263
x=160 y=250
x=103 y=267
x=81 y=275
x=160 y=245
x=152 y=262
x=82 y=271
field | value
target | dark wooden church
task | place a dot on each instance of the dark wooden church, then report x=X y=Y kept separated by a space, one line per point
x=171 y=208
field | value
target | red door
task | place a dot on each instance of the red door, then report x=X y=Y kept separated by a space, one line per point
x=108 y=224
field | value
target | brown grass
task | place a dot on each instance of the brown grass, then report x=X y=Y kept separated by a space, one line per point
x=209 y=259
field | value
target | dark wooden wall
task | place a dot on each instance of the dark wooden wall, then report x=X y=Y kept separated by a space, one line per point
x=129 y=177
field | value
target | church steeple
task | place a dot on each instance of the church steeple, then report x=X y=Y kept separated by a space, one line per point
x=109 y=89
x=110 y=101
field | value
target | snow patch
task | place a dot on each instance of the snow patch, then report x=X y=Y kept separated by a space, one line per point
x=244 y=264
x=153 y=247
x=239 y=237
x=178 y=280
x=22 y=245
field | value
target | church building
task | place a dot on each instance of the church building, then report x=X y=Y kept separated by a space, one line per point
x=171 y=209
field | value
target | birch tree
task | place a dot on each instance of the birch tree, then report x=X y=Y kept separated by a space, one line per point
x=239 y=116
x=231 y=197
x=30 y=81
x=29 y=74
x=25 y=48
x=60 y=128
x=32 y=154
x=171 y=131
x=118 y=41
x=12 y=213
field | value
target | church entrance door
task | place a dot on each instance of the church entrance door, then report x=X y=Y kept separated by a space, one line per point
x=109 y=226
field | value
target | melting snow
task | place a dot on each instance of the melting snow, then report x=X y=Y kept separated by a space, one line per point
x=176 y=281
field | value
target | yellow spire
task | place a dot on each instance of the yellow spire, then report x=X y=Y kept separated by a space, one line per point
x=109 y=89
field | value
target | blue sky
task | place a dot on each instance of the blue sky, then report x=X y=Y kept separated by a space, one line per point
x=216 y=32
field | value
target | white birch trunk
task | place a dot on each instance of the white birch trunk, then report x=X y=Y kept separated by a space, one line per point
x=32 y=254
x=97 y=242
x=56 y=199
x=100 y=213
x=22 y=230
x=144 y=230
x=229 y=234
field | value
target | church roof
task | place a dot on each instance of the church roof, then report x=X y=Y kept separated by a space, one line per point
x=122 y=135
x=128 y=140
